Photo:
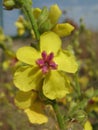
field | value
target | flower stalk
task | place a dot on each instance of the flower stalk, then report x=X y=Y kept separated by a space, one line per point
x=59 y=117
x=77 y=85
x=26 y=6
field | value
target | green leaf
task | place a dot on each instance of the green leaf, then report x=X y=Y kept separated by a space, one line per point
x=46 y=26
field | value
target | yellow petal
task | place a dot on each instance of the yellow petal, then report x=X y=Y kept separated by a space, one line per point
x=28 y=55
x=36 y=12
x=6 y=65
x=24 y=99
x=21 y=31
x=95 y=107
x=95 y=99
x=88 y=126
x=33 y=34
x=63 y=29
x=36 y=113
x=66 y=62
x=19 y=24
x=50 y=42
x=27 y=78
x=2 y=37
x=54 y=86
x=54 y=13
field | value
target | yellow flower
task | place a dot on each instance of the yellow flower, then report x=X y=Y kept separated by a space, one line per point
x=93 y=104
x=10 y=63
x=45 y=69
x=36 y=12
x=46 y=20
x=63 y=29
x=2 y=36
x=88 y=126
x=20 y=25
x=5 y=65
x=32 y=106
x=54 y=13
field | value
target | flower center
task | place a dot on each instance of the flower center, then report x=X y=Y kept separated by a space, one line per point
x=46 y=63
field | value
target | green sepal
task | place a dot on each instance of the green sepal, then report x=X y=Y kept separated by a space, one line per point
x=46 y=26
x=43 y=16
x=80 y=116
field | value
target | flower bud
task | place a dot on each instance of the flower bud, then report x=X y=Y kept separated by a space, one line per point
x=80 y=116
x=9 y=4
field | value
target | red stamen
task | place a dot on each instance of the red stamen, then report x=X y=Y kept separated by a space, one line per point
x=46 y=63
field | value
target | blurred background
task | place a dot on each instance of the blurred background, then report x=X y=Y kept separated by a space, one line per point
x=83 y=42
x=73 y=9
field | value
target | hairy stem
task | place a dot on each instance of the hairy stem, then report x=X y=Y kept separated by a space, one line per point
x=77 y=85
x=60 y=119
x=27 y=7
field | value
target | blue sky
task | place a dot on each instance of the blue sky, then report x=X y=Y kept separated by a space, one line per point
x=76 y=9
x=64 y=2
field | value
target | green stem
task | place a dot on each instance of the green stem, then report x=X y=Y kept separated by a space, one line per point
x=26 y=6
x=60 y=119
x=77 y=85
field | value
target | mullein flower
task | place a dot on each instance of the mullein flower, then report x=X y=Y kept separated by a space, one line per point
x=2 y=36
x=46 y=20
x=45 y=69
x=31 y=104
x=49 y=21
x=21 y=25
x=63 y=29
x=93 y=104
x=88 y=126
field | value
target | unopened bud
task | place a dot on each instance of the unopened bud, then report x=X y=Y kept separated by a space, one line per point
x=81 y=116
x=9 y=4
